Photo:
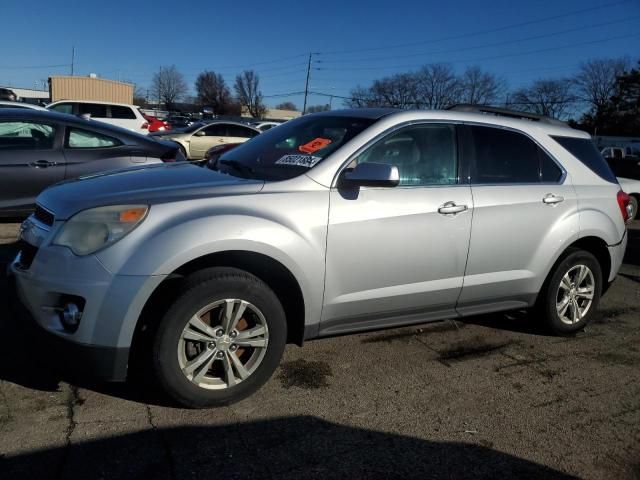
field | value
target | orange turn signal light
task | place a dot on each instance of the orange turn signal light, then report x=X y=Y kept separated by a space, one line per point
x=132 y=215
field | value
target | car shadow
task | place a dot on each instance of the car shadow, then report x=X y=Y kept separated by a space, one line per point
x=284 y=448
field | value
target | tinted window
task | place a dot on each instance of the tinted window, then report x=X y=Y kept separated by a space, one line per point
x=503 y=156
x=96 y=110
x=424 y=155
x=63 y=108
x=238 y=131
x=550 y=172
x=585 y=151
x=26 y=136
x=216 y=130
x=85 y=139
x=122 y=112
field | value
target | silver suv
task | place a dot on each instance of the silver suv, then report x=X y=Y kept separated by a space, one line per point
x=332 y=223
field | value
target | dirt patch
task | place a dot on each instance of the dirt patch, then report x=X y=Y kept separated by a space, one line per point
x=306 y=375
x=470 y=349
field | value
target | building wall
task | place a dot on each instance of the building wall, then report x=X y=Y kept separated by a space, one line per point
x=88 y=88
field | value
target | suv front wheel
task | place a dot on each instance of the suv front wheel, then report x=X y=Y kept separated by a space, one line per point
x=570 y=298
x=221 y=340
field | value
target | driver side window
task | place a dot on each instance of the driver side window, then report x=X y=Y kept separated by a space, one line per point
x=424 y=154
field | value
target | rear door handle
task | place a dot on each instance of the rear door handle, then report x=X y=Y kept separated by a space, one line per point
x=43 y=164
x=450 y=208
x=551 y=199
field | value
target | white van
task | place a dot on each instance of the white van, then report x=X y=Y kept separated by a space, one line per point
x=119 y=114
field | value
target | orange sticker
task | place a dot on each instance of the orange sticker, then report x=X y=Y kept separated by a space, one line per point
x=314 y=145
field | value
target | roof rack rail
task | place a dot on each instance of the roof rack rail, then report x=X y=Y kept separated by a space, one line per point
x=504 y=112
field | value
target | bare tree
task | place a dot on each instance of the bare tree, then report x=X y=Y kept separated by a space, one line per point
x=596 y=80
x=553 y=98
x=249 y=94
x=397 y=91
x=480 y=88
x=213 y=92
x=287 y=106
x=169 y=85
x=360 y=97
x=437 y=86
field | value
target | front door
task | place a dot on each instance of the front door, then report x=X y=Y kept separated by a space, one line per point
x=30 y=161
x=207 y=137
x=397 y=255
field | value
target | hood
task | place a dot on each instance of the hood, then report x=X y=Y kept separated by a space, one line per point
x=153 y=184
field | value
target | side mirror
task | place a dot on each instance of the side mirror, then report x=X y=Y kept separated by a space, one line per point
x=372 y=175
x=200 y=133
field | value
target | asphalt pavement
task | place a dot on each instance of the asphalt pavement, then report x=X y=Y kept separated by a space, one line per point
x=488 y=397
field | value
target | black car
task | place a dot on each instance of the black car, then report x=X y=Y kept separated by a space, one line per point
x=40 y=148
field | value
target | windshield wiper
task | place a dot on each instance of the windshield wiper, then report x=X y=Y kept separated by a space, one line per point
x=238 y=166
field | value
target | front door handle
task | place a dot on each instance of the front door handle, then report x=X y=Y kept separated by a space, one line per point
x=551 y=199
x=450 y=208
x=43 y=164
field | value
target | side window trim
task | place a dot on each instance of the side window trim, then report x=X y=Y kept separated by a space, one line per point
x=472 y=158
x=395 y=129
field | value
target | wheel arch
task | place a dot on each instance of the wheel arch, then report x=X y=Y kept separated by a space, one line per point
x=277 y=276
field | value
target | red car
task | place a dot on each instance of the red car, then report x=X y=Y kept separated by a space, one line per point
x=156 y=125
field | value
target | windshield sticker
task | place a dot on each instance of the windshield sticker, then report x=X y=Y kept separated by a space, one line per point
x=299 y=160
x=314 y=145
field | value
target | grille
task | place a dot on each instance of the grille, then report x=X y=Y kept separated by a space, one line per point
x=43 y=216
x=27 y=254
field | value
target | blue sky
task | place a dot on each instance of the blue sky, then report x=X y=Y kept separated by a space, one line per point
x=356 y=41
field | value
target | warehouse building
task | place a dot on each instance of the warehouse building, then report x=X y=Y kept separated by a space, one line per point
x=89 y=88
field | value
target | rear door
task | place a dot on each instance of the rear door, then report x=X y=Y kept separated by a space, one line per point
x=87 y=151
x=125 y=117
x=30 y=160
x=239 y=134
x=207 y=137
x=523 y=207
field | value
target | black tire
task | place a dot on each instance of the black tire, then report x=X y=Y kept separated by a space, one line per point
x=184 y=152
x=548 y=297
x=201 y=289
x=633 y=201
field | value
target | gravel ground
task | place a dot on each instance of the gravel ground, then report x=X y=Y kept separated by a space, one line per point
x=490 y=397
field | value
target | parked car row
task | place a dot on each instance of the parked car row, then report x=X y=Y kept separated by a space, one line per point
x=40 y=148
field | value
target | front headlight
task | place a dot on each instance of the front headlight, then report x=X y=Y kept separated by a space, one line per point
x=91 y=230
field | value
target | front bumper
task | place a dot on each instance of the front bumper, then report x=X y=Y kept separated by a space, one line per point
x=112 y=305
x=98 y=362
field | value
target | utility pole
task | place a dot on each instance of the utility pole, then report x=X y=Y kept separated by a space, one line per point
x=73 y=58
x=306 y=86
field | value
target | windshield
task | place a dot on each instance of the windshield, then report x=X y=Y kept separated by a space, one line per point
x=292 y=148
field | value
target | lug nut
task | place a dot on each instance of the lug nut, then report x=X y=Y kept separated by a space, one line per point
x=220 y=354
x=233 y=348
x=233 y=334
x=219 y=332
x=211 y=345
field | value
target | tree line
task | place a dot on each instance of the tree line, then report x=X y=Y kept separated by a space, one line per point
x=602 y=97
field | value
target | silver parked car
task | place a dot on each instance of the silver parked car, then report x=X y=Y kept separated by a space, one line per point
x=332 y=223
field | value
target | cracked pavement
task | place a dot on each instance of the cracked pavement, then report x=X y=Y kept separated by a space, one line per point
x=487 y=397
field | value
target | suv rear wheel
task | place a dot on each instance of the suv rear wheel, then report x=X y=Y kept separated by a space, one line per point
x=221 y=340
x=572 y=294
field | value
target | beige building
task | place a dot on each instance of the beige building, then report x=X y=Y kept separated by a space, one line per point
x=275 y=114
x=89 y=88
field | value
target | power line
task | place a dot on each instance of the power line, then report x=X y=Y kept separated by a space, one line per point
x=489 y=45
x=495 y=57
x=479 y=32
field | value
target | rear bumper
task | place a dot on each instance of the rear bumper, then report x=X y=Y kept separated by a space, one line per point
x=97 y=362
x=616 y=252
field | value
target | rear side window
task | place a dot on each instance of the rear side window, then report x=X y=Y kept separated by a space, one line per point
x=85 y=139
x=238 y=131
x=96 y=110
x=216 y=130
x=585 y=151
x=503 y=156
x=122 y=112
x=63 y=108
